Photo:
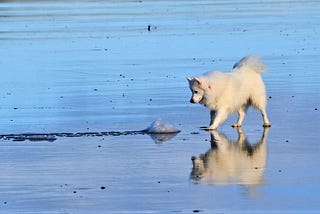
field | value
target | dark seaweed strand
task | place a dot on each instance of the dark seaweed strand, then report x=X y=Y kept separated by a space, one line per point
x=53 y=136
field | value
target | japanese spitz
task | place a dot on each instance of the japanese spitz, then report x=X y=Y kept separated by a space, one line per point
x=232 y=92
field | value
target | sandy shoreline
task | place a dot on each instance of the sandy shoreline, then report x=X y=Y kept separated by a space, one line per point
x=93 y=67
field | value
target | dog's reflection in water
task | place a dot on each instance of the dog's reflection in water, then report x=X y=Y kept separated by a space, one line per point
x=231 y=162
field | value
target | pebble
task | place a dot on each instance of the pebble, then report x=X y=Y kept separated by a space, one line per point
x=194 y=133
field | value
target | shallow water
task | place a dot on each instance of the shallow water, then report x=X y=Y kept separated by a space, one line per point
x=116 y=66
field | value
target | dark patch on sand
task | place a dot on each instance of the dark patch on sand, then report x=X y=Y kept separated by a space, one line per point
x=53 y=136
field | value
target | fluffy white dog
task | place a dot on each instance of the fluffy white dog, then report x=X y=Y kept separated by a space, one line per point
x=232 y=92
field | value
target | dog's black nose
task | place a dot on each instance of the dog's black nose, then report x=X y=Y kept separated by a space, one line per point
x=191 y=100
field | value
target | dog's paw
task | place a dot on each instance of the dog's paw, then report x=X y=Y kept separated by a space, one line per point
x=210 y=128
x=204 y=128
x=236 y=125
x=207 y=128
x=267 y=125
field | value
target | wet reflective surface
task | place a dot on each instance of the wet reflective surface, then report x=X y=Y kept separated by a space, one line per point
x=95 y=67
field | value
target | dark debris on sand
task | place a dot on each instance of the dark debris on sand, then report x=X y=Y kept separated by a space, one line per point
x=53 y=136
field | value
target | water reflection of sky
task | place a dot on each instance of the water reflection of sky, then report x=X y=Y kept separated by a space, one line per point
x=96 y=62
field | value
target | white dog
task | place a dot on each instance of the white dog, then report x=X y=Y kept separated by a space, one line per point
x=231 y=92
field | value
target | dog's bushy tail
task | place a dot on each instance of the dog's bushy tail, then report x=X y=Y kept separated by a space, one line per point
x=252 y=63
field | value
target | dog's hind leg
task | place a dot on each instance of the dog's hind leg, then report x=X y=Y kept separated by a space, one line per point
x=241 y=113
x=220 y=117
x=266 y=122
x=259 y=102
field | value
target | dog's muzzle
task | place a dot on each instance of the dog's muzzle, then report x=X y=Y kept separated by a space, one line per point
x=192 y=101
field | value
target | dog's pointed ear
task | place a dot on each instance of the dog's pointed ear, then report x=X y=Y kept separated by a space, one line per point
x=189 y=79
x=199 y=81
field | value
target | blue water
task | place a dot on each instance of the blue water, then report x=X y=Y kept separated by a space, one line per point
x=87 y=66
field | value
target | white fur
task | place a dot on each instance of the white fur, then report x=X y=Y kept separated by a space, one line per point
x=225 y=93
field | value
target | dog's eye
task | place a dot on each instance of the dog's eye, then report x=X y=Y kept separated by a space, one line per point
x=196 y=92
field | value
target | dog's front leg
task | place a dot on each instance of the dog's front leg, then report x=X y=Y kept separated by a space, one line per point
x=220 y=117
x=212 y=116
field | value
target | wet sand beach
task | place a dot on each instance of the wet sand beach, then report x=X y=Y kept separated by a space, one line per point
x=81 y=79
